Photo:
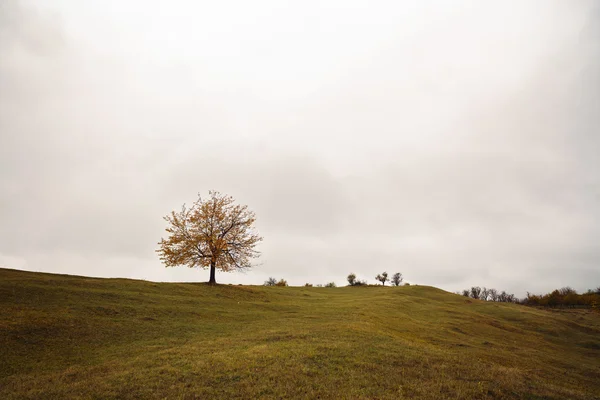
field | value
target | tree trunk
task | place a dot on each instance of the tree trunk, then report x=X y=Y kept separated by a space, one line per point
x=212 y=280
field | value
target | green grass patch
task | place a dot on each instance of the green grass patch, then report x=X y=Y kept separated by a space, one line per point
x=76 y=337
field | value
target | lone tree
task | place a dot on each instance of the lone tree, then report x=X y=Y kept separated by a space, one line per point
x=351 y=279
x=383 y=278
x=214 y=232
x=271 y=282
x=397 y=279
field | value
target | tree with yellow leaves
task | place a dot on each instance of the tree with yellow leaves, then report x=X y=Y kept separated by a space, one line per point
x=214 y=232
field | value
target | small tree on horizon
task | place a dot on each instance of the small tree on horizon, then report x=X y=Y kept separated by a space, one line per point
x=270 y=282
x=351 y=279
x=567 y=290
x=397 y=279
x=213 y=233
x=485 y=293
x=383 y=278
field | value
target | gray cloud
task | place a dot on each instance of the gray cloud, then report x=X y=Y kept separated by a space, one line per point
x=455 y=147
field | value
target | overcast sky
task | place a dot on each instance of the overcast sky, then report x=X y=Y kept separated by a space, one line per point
x=456 y=142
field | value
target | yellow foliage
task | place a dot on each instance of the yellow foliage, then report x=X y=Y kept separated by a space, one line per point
x=214 y=232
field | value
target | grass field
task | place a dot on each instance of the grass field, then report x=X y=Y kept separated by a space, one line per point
x=76 y=337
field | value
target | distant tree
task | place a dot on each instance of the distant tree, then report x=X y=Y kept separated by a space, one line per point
x=282 y=282
x=271 y=282
x=383 y=278
x=563 y=297
x=502 y=297
x=351 y=279
x=484 y=294
x=506 y=297
x=407 y=284
x=330 y=284
x=213 y=233
x=491 y=294
x=566 y=291
x=554 y=299
x=308 y=285
x=530 y=300
x=573 y=300
x=319 y=285
x=397 y=279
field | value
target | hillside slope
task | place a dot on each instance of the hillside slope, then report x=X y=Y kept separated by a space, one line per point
x=76 y=337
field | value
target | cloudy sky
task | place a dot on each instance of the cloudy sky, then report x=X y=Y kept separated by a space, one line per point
x=456 y=142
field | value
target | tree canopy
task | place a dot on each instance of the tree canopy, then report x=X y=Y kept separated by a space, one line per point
x=383 y=278
x=213 y=233
x=397 y=279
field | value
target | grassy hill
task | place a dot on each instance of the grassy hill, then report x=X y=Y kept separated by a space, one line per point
x=76 y=337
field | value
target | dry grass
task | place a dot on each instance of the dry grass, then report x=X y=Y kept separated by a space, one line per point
x=75 y=337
